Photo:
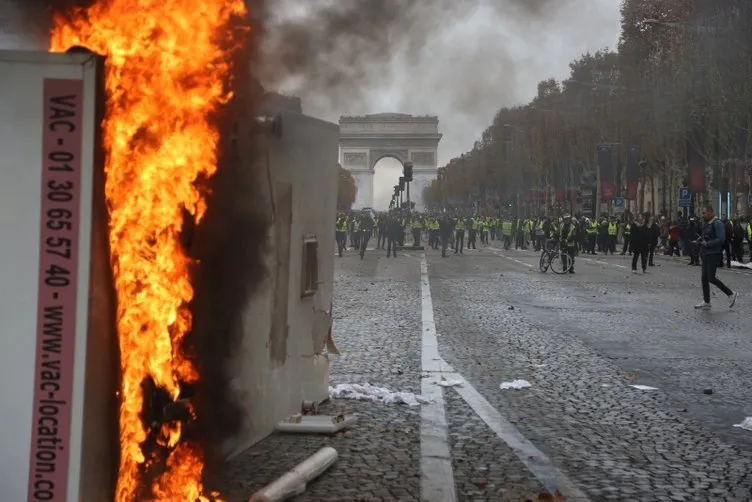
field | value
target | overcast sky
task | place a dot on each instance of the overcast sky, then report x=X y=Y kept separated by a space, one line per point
x=458 y=59
x=472 y=60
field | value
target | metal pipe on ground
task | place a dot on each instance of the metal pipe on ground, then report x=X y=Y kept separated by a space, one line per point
x=294 y=482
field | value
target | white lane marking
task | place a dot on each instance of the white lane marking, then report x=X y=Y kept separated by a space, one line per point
x=436 y=472
x=498 y=252
x=601 y=262
x=535 y=460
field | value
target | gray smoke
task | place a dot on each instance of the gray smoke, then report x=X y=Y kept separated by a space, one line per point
x=463 y=56
x=26 y=24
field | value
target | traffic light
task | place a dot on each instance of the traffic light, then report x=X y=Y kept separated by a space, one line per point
x=396 y=190
x=402 y=183
x=407 y=171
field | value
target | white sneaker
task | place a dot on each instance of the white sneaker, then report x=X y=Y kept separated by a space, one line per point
x=702 y=306
x=634 y=271
x=732 y=299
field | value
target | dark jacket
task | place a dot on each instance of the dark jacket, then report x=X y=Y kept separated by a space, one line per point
x=639 y=239
x=714 y=236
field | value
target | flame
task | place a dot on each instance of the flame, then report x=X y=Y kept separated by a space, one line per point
x=166 y=72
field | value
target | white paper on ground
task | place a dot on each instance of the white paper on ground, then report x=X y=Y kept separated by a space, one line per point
x=515 y=384
x=746 y=424
x=368 y=392
x=450 y=383
x=643 y=387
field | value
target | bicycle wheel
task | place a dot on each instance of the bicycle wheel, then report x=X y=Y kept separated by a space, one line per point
x=558 y=260
x=543 y=263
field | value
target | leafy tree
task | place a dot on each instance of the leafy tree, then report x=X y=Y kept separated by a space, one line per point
x=681 y=66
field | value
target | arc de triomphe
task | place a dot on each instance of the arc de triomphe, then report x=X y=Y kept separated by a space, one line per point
x=366 y=140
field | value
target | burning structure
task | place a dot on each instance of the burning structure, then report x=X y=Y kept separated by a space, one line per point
x=210 y=274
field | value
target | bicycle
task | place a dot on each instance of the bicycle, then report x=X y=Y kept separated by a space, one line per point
x=554 y=258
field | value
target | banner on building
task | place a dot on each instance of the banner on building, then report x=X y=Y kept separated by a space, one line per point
x=696 y=161
x=634 y=156
x=606 y=172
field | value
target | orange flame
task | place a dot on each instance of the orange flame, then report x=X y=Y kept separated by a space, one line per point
x=166 y=73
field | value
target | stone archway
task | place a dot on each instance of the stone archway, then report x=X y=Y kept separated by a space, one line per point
x=366 y=140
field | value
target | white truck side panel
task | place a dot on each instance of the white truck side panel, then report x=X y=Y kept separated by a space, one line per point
x=46 y=164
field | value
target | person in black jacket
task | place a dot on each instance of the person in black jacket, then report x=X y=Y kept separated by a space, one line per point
x=446 y=225
x=640 y=242
x=366 y=231
x=393 y=234
x=711 y=244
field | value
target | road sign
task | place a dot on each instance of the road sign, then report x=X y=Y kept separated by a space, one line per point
x=619 y=205
x=685 y=197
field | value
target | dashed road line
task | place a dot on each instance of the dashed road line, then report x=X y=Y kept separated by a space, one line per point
x=433 y=433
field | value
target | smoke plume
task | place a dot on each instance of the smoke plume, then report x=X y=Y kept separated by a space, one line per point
x=459 y=59
x=26 y=24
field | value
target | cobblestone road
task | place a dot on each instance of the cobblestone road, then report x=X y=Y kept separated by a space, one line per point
x=580 y=340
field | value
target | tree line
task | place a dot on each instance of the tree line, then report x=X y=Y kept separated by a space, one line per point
x=672 y=104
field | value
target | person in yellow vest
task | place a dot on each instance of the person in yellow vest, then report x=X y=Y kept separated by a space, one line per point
x=340 y=229
x=627 y=237
x=473 y=234
x=459 y=234
x=613 y=232
x=591 y=233
x=567 y=240
x=417 y=227
x=507 y=232
x=433 y=229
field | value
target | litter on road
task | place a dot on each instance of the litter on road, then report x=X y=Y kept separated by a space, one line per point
x=643 y=387
x=746 y=424
x=515 y=384
x=450 y=383
x=316 y=424
x=368 y=392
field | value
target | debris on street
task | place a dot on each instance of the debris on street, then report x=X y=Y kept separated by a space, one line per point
x=368 y=392
x=316 y=424
x=294 y=482
x=515 y=384
x=746 y=424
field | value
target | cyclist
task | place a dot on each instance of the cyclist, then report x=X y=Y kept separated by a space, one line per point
x=567 y=241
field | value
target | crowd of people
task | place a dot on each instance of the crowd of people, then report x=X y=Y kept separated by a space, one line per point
x=706 y=240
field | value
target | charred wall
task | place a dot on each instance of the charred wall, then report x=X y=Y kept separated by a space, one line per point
x=229 y=245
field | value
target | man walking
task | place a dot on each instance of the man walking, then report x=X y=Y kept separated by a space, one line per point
x=445 y=230
x=640 y=243
x=366 y=230
x=393 y=234
x=711 y=246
